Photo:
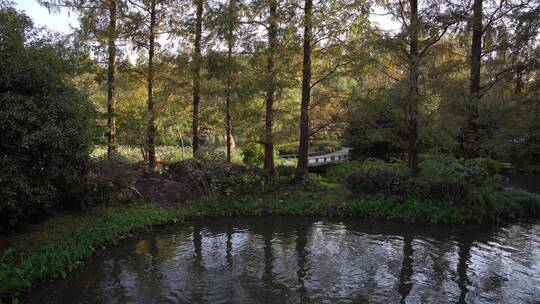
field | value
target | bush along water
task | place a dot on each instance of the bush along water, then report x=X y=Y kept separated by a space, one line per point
x=46 y=124
x=473 y=186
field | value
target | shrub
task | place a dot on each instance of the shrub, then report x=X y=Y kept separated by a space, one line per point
x=45 y=122
x=339 y=172
x=377 y=176
x=171 y=154
x=456 y=191
x=284 y=162
x=446 y=178
x=441 y=179
x=428 y=156
x=241 y=179
x=286 y=171
x=528 y=203
x=476 y=174
x=446 y=168
x=492 y=166
x=312 y=182
x=253 y=155
x=210 y=174
x=112 y=180
x=416 y=188
x=204 y=172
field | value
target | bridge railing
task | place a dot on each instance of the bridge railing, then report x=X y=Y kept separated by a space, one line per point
x=291 y=156
x=327 y=159
x=318 y=159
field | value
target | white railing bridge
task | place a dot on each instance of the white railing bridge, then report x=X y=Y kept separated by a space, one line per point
x=324 y=159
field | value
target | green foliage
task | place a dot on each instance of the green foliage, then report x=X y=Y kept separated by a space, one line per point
x=45 y=122
x=492 y=166
x=429 y=156
x=204 y=172
x=287 y=172
x=253 y=155
x=339 y=172
x=19 y=270
x=442 y=178
x=377 y=176
x=313 y=182
x=324 y=146
x=374 y=126
x=285 y=162
x=442 y=168
x=451 y=179
x=210 y=174
x=171 y=154
x=288 y=148
x=315 y=147
x=528 y=203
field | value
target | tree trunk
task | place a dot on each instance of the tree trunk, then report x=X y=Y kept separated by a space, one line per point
x=302 y=166
x=197 y=76
x=471 y=132
x=228 y=109
x=269 y=168
x=111 y=101
x=151 y=112
x=230 y=45
x=412 y=124
x=182 y=146
x=537 y=94
x=519 y=79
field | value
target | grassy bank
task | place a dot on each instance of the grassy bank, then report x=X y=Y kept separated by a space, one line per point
x=60 y=244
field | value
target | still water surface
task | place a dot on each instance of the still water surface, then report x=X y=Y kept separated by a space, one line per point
x=305 y=260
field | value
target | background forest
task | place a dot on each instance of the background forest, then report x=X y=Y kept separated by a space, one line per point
x=155 y=67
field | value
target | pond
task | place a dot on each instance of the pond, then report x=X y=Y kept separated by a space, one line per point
x=309 y=260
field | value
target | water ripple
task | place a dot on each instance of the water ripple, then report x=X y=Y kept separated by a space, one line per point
x=293 y=260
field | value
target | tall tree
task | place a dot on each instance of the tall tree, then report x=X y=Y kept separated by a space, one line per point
x=111 y=69
x=412 y=123
x=197 y=75
x=302 y=165
x=431 y=22
x=99 y=24
x=230 y=45
x=148 y=19
x=471 y=132
x=493 y=26
x=150 y=84
x=269 y=169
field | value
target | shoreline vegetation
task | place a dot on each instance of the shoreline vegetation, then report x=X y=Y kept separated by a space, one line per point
x=59 y=244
